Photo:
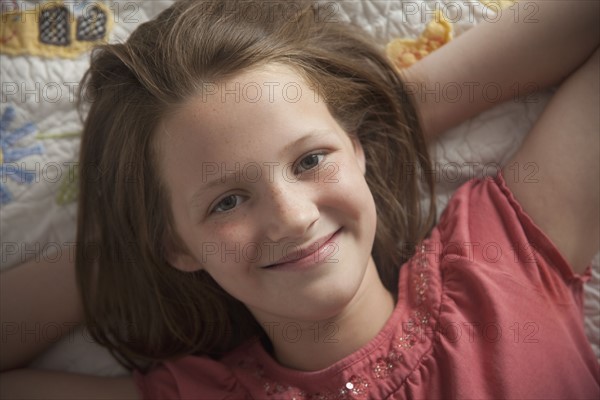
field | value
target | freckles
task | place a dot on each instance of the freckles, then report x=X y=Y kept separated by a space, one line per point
x=341 y=177
x=226 y=231
x=279 y=195
x=233 y=231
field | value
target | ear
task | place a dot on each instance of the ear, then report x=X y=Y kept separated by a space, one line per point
x=359 y=153
x=181 y=260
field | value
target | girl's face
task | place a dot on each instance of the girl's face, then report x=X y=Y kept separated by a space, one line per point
x=269 y=196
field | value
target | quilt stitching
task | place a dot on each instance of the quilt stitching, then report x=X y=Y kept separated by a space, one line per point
x=10 y=153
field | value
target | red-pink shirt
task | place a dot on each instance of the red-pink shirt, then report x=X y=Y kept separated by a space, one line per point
x=487 y=308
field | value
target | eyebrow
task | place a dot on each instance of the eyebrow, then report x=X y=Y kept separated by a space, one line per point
x=310 y=135
x=223 y=178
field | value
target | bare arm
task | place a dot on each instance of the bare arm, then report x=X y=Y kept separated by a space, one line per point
x=34 y=296
x=563 y=198
x=38 y=301
x=534 y=44
x=563 y=148
x=33 y=384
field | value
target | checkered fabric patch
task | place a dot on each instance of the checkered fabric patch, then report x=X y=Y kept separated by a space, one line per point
x=54 y=26
x=92 y=26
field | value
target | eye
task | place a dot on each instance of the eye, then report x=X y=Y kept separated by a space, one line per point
x=309 y=162
x=227 y=203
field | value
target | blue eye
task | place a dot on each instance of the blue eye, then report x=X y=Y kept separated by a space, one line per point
x=227 y=203
x=309 y=162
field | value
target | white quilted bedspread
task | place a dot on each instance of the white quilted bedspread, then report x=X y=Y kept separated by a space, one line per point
x=41 y=91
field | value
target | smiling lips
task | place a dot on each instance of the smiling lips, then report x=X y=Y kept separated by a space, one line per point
x=319 y=251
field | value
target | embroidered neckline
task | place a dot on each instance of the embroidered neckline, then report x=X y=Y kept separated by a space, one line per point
x=359 y=386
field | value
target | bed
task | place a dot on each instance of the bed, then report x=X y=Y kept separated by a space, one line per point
x=40 y=128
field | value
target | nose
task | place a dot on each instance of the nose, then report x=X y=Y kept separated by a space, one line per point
x=290 y=211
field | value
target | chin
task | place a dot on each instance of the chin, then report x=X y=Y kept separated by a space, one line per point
x=328 y=298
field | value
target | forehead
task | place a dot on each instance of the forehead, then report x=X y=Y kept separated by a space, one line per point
x=262 y=107
x=263 y=89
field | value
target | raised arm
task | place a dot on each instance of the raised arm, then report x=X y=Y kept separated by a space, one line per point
x=563 y=153
x=532 y=45
x=555 y=175
x=33 y=384
x=39 y=302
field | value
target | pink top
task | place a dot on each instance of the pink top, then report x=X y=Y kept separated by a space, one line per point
x=487 y=308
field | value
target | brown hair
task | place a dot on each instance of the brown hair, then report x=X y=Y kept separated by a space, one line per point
x=135 y=303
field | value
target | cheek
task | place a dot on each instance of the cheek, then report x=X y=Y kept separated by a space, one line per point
x=350 y=186
x=225 y=243
x=363 y=202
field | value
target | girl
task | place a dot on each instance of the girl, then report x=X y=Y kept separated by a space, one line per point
x=250 y=188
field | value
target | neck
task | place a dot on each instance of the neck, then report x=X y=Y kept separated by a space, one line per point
x=314 y=345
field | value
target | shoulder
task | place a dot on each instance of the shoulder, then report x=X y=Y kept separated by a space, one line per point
x=486 y=225
x=189 y=377
x=504 y=289
x=493 y=257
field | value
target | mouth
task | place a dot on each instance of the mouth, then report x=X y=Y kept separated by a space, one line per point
x=317 y=252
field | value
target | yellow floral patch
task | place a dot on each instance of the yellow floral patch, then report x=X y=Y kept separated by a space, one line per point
x=405 y=52
x=498 y=4
x=54 y=28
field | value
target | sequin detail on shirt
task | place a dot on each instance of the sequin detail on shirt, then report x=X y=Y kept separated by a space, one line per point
x=359 y=387
x=414 y=329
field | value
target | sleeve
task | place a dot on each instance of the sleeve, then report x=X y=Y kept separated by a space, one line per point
x=485 y=227
x=508 y=300
x=188 y=378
